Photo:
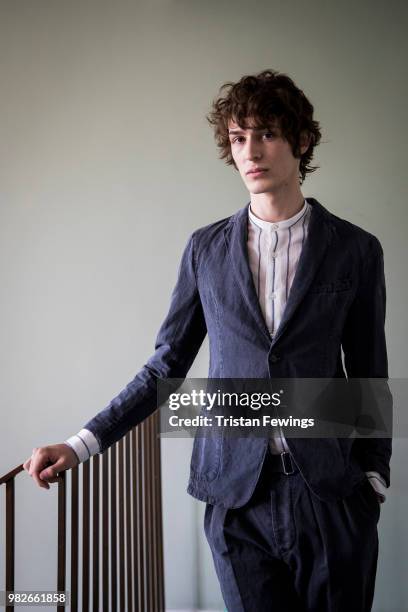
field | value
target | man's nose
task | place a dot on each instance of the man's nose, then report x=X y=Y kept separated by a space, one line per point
x=253 y=150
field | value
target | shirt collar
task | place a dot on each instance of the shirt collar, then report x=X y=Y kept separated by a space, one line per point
x=268 y=225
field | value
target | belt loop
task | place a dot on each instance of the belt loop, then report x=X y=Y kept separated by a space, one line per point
x=287 y=461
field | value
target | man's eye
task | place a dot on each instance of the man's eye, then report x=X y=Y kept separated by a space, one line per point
x=238 y=139
x=269 y=135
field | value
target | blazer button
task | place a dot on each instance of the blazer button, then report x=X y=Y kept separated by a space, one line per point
x=274 y=358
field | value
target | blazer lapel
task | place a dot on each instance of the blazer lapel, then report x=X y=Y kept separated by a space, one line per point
x=236 y=238
x=313 y=251
x=318 y=238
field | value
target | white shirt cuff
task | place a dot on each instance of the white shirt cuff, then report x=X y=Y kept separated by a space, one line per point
x=378 y=484
x=84 y=444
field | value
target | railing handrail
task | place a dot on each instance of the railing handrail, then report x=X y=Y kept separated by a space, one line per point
x=11 y=474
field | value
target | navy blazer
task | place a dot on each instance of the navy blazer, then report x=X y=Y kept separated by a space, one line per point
x=337 y=301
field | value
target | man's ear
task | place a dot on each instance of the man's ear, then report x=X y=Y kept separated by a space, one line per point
x=304 y=141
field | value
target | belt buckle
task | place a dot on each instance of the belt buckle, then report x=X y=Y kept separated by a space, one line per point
x=284 y=463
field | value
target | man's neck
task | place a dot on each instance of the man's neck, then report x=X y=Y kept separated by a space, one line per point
x=275 y=207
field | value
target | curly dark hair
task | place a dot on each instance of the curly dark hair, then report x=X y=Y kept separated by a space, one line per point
x=268 y=98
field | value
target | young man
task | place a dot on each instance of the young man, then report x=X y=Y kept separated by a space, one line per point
x=282 y=287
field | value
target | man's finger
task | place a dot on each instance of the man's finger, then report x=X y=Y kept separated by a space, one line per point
x=50 y=473
x=39 y=461
x=41 y=483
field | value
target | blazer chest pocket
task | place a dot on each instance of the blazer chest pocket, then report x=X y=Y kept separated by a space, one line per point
x=335 y=286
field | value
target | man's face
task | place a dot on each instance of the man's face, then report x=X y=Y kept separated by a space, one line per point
x=263 y=157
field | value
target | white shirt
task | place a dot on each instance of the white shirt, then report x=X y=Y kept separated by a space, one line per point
x=273 y=252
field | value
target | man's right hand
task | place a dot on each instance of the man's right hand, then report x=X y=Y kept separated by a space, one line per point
x=46 y=462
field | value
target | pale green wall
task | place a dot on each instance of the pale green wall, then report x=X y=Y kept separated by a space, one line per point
x=107 y=165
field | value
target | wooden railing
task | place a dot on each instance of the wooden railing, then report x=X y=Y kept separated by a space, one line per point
x=121 y=502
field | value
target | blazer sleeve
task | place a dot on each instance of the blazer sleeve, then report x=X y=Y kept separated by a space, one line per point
x=177 y=344
x=365 y=356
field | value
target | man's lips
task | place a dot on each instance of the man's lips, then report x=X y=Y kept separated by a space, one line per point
x=256 y=171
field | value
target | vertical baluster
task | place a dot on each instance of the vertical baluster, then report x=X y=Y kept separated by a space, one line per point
x=114 y=566
x=74 y=540
x=10 y=536
x=159 y=523
x=152 y=518
x=159 y=567
x=95 y=532
x=128 y=440
x=148 y=511
x=85 y=535
x=122 y=605
x=137 y=567
x=61 y=567
x=105 y=532
x=154 y=511
x=142 y=514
